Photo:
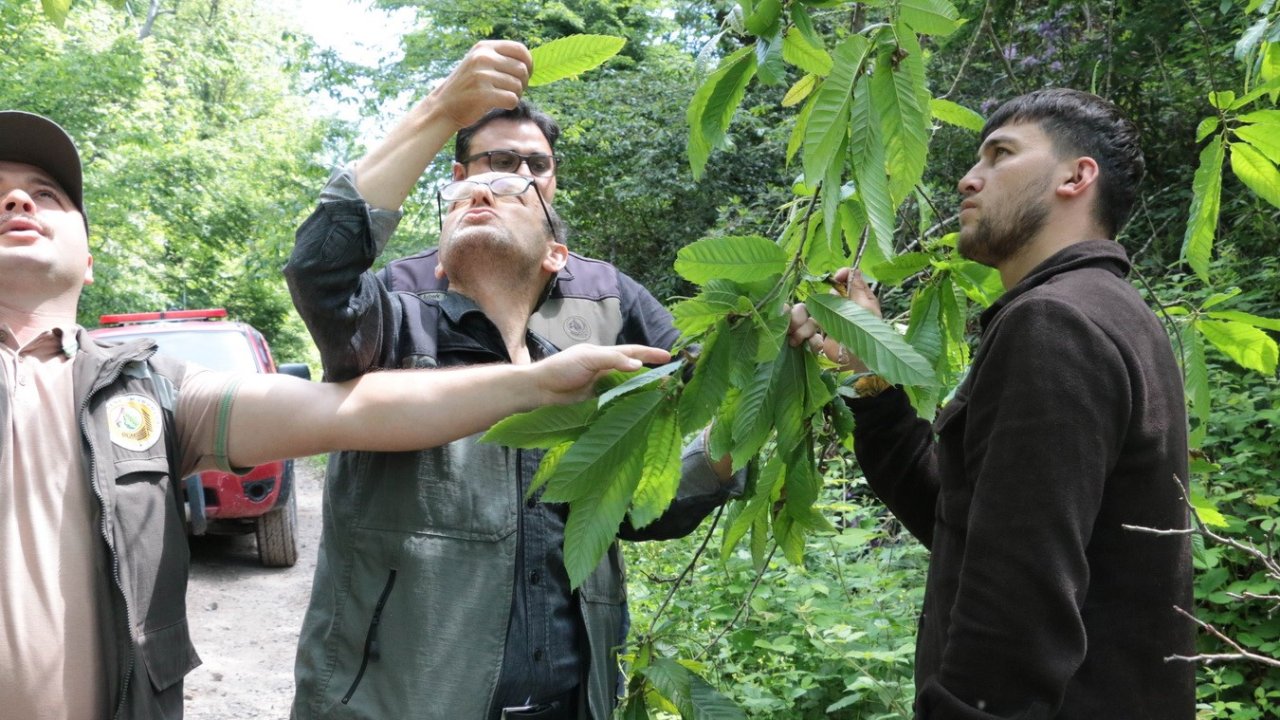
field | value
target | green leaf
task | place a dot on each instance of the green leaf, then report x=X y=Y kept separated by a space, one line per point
x=615 y=437
x=741 y=259
x=706 y=389
x=1268 y=87
x=1197 y=243
x=1211 y=301
x=641 y=379
x=800 y=90
x=817 y=392
x=980 y=283
x=1206 y=127
x=788 y=397
x=829 y=120
x=867 y=153
x=754 y=417
x=56 y=10
x=798 y=51
x=872 y=340
x=796 y=139
x=571 y=56
x=709 y=704
x=900 y=267
x=769 y=65
x=594 y=518
x=1267 y=117
x=702 y=112
x=1246 y=318
x=1251 y=38
x=693 y=316
x=956 y=114
x=660 y=474
x=1264 y=137
x=1248 y=346
x=672 y=681
x=1256 y=172
x=931 y=17
x=543 y=428
x=924 y=332
x=726 y=96
x=547 y=467
x=903 y=122
x=763 y=21
x=1222 y=100
x=1195 y=372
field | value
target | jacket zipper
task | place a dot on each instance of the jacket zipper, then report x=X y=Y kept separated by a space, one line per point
x=103 y=382
x=371 y=651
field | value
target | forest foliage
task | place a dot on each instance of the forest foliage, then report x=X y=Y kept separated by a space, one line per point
x=731 y=156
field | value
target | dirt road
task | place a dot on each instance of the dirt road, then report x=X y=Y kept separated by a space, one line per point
x=245 y=618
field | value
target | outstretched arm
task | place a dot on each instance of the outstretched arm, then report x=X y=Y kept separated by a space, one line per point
x=276 y=416
x=493 y=74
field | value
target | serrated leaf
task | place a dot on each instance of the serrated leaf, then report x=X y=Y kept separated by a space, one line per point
x=741 y=259
x=770 y=68
x=803 y=481
x=799 y=91
x=796 y=139
x=817 y=391
x=872 y=340
x=931 y=17
x=726 y=96
x=833 y=191
x=1248 y=346
x=956 y=114
x=1268 y=117
x=867 y=153
x=1256 y=172
x=1206 y=127
x=789 y=535
x=1195 y=372
x=706 y=389
x=980 y=283
x=547 y=467
x=903 y=123
x=754 y=417
x=571 y=56
x=1222 y=100
x=1264 y=137
x=641 y=379
x=700 y=145
x=594 y=518
x=542 y=428
x=829 y=120
x=771 y=333
x=56 y=10
x=660 y=474
x=764 y=19
x=709 y=704
x=1211 y=301
x=924 y=332
x=671 y=680
x=756 y=507
x=900 y=268
x=788 y=398
x=1246 y=318
x=720 y=439
x=694 y=316
x=615 y=437
x=798 y=51
x=1202 y=225
x=1268 y=87
x=1251 y=38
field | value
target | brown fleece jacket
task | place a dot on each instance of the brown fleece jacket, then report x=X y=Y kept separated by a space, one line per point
x=1070 y=424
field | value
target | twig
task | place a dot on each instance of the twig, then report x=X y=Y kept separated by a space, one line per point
x=1239 y=654
x=684 y=574
x=986 y=13
x=742 y=606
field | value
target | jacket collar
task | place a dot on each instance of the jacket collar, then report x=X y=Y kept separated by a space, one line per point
x=1105 y=255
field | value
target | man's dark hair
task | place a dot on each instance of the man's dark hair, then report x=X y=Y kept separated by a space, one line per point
x=522 y=112
x=1080 y=123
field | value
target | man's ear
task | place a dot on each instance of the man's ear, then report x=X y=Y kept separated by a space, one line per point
x=88 y=272
x=459 y=171
x=1084 y=174
x=557 y=256
x=440 y=273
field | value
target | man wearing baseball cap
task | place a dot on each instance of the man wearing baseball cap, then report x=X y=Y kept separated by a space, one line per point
x=93 y=554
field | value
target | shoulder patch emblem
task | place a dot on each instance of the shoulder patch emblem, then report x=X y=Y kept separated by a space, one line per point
x=576 y=327
x=134 y=422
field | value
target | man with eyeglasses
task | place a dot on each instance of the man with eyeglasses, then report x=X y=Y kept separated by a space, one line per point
x=440 y=590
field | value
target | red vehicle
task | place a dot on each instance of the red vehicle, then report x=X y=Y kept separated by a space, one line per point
x=261 y=501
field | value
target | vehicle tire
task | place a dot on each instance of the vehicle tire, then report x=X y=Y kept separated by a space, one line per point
x=277 y=530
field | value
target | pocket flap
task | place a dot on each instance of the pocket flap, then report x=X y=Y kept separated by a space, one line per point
x=168 y=654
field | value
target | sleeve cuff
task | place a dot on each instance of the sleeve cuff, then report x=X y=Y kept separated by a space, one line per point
x=342 y=188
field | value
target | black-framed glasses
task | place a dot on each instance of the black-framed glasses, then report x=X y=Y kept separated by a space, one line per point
x=501 y=186
x=507 y=161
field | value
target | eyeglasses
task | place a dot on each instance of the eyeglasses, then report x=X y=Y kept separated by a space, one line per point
x=502 y=186
x=539 y=165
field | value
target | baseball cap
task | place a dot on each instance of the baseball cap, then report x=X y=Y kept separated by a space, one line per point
x=36 y=140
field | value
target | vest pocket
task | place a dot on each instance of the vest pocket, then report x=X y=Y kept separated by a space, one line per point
x=167 y=655
x=371 y=649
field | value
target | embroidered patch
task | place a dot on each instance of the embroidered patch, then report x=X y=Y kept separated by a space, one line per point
x=134 y=422
x=576 y=327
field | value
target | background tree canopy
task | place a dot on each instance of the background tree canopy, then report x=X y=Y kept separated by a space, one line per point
x=203 y=153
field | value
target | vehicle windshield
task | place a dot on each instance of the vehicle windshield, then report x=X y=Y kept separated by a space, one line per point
x=215 y=350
